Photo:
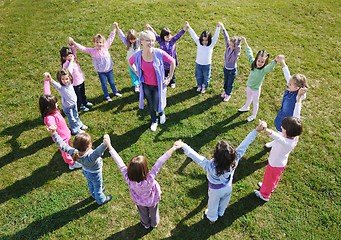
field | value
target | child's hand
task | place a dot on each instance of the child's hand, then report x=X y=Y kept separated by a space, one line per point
x=71 y=41
x=243 y=39
x=185 y=27
x=302 y=91
x=52 y=129
x=115 y=25
x=70 y=57
x=148 y=27
x=280 y=58
x=219 y=24
x=106 y=140
x=166 y=81
x=47 y=76
x=178 y=144
x=187 y=24
x=262 y=125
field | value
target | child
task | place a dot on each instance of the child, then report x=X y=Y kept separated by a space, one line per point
x=89 y=158
x=102 y=61
x=294 y=84
x=133 y=45
x=144 y=189
x=167 y=43
x=231 y=56
x=69 y=99
x=52 y=116
x=69 y=61
x=283 y=144
x=259 y=68
x=220 y=170
x=205 y=44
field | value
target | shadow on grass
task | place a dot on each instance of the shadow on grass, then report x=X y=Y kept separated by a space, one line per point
x=37 y=179
x=15 y=132
x=133 y=232
x=204 y=230
x=55 y=221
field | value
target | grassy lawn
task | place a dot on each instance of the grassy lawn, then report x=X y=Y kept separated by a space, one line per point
x=41 y=199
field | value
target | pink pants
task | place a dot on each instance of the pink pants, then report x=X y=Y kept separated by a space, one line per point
x=67 y=157
x=252 y=96
x=270 y=180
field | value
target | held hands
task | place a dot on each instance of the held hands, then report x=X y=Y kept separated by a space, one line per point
x=280 y=59
x=262 y=125
x=47 y=76
x=178 y=144
x=219 y=24
x=187 y=24
x=166 y=81
x=148 y=27
x=71 y=41
x=243 y=39
x=106 y=141
x=116 y=25
x=52 y=129
x=300 y=93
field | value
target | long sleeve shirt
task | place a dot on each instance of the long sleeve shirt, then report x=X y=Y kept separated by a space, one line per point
x=256 y=76
x=210 y=167
x=91 y=160
x=131 y=51
x=74 y=68
x=58 y=120
x=231 y=55
x=204 y=53
x=147 y=192
x=69 y=97
x=100 y=58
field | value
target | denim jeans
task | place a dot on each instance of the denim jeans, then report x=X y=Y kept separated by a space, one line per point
x=229 y=76
x=103 y=76
x=134 y=77
x=74 y=121
x=152 y=95
x=203 y=74
x=80 y=92
x=218 y=199
x=95 y=185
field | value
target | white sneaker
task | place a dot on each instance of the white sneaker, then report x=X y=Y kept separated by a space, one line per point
x=227 y=98
x=260 y=196
x=162 y=118
x=223 y=95
x=118 y=94
x=137 y=89
x=84 y=127
x=153 y=127
x=173 y=85
x=199 y=89
x=244 y=109
x=251 y=118
x=259 y=184
x=75 y=165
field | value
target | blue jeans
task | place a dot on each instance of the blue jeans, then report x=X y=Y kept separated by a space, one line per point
x=95 y=185
x=103 y=76
x=73 y=118
x=152 y=95
x=218 y=200
x=203 y=74
x=229 y=76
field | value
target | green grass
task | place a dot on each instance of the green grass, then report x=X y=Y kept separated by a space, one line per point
x=41 y=198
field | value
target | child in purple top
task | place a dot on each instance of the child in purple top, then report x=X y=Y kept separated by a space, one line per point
x=144 y=189
x=231 y=56
x=102 y=61
x=167 y=43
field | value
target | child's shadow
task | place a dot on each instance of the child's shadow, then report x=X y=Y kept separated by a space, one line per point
x=133 y=232
x=57 y=220
x=17 y=151
x=37 y=179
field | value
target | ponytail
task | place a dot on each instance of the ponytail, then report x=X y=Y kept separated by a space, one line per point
x=75 y=155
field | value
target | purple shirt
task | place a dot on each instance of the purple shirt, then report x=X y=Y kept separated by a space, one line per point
x=147 y=192
x=231 y=55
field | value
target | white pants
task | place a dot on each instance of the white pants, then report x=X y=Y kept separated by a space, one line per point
x=252 y=96
x=218 y=200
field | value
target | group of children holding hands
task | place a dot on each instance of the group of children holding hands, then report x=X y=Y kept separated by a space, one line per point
x=144 y=189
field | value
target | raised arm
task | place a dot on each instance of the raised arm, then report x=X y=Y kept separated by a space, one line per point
x=47 y=82
x=193 y=34
x=216 y=35
x=121 y=34
x=111 y=36
x=59 y=141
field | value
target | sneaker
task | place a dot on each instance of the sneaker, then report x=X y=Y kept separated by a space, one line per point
x=137 y=89
x=84 y=109
x=107 y=199
x=118 y=94
x=268 y=144
x=199 y=89
x=223 y=95
x=260 y=196
x=244 y=109
x=205 y=217
x=162 y=118
x=259 y=184
x=154 y=226
x=251 y=118
x=75 y=165
x=153 y=127
x=146 y=227
x=108 y=99
x=227 y=98
x=173 y=85
x=89 y=104
x=203 y=90
x=84 y=127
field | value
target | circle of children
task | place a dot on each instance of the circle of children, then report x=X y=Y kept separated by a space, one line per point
x=152 y=70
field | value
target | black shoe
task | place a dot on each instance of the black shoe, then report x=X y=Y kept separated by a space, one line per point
x=107 y=199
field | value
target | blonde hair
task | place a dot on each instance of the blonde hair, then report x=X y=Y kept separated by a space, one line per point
x=98 y=37
x=81 y=143
x=147 y=34
x=300 y=80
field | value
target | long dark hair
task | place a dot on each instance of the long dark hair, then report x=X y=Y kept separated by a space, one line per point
x=164 y=32
x=206 y=34
x=261 y=53
x=47 y=105
x=64 y=52
x=224 y=157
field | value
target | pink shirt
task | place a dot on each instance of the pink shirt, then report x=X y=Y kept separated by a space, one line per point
x=75 y=69
x=58 y=120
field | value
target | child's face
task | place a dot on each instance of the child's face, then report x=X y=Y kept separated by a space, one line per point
x=132 y=41
x=99 y=44
x=168 y=37
x=204 y=41
x=292 y=87
x=260 y=62
x=65 y=79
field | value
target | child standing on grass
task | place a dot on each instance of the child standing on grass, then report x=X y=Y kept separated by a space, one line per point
x=294 y=84
x=231 y=56
x=69 y=61
x=90 y=159
x=167 y=43
x=144 y=189
x=283 y=144
x=219 y=171
x=52 y=116
x=102 y=61
x=205 y=44
x=259 y=68
x=69 y=99
x=133 y=45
